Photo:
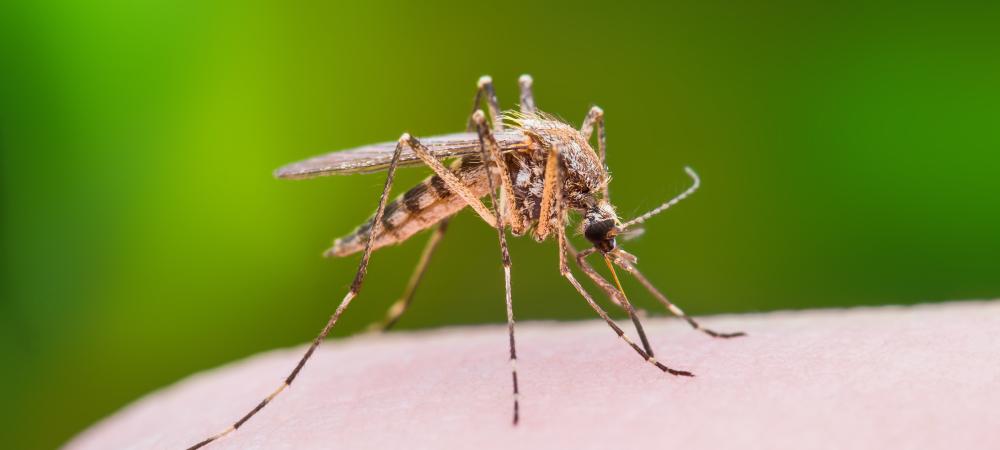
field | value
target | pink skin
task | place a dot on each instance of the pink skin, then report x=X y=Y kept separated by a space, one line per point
x=872 y=378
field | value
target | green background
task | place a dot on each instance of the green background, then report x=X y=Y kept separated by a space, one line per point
x=849 y=156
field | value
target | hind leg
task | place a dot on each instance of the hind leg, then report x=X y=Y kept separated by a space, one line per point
x=359 y=278
x=484 y=90
x=400 y=306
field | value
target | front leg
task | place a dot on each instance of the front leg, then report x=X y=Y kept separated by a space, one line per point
x=564 y=270
x=617 y=296
x=626 y=261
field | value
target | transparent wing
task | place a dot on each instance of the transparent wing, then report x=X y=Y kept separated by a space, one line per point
x=376 y=157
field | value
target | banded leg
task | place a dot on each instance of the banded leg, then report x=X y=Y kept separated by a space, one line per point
x=527 y=98
x=359 y=278
x=603 y=284
x=595 y=117
x=564 y=270
x=486 y=138
x=400 y=306
x=626 y=261
x=618 y=297
x=493 y=155
x=450 y=180
x=484 y=88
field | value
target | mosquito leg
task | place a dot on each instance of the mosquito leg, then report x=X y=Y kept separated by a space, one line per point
x=450 y=180
x=623 y=260
x=617 y=297
x=564 y=270
x=359 y=278
x=550 y=193
x=595 y=117
x=527 y=98
x=612 y=294
x=400 y=306
x=514 y=217
x=484 y=88
x=493 y=155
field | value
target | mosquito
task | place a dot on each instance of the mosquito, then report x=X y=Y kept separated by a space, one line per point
x=536 y=171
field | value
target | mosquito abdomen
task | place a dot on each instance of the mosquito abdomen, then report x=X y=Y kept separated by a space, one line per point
x=417 y=209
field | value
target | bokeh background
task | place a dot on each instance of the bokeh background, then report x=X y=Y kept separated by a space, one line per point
x=849 y=157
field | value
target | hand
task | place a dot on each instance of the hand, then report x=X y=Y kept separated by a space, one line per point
x=871 y=378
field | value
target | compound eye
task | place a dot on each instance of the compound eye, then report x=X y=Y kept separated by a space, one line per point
x=600 y=231
x=602 y=234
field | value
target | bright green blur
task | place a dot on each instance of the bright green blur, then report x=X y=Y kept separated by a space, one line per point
x=849 y=156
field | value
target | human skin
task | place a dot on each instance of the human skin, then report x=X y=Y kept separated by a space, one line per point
x=869 y=378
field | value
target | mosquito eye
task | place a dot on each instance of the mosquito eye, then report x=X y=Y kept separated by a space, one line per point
x=599 y=231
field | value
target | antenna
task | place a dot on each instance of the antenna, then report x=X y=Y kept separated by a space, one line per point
x=696 y=182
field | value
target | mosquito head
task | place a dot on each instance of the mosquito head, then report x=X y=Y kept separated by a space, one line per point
x=600 y=226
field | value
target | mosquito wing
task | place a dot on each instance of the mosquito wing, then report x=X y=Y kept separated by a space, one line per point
x=376 y=157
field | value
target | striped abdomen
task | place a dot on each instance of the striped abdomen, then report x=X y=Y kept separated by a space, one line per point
x=418 y=209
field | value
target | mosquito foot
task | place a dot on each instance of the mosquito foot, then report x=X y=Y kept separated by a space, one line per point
x=716 y=334
x=680 y=373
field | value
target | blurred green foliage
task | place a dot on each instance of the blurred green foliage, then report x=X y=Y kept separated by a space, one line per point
x=849 y=156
